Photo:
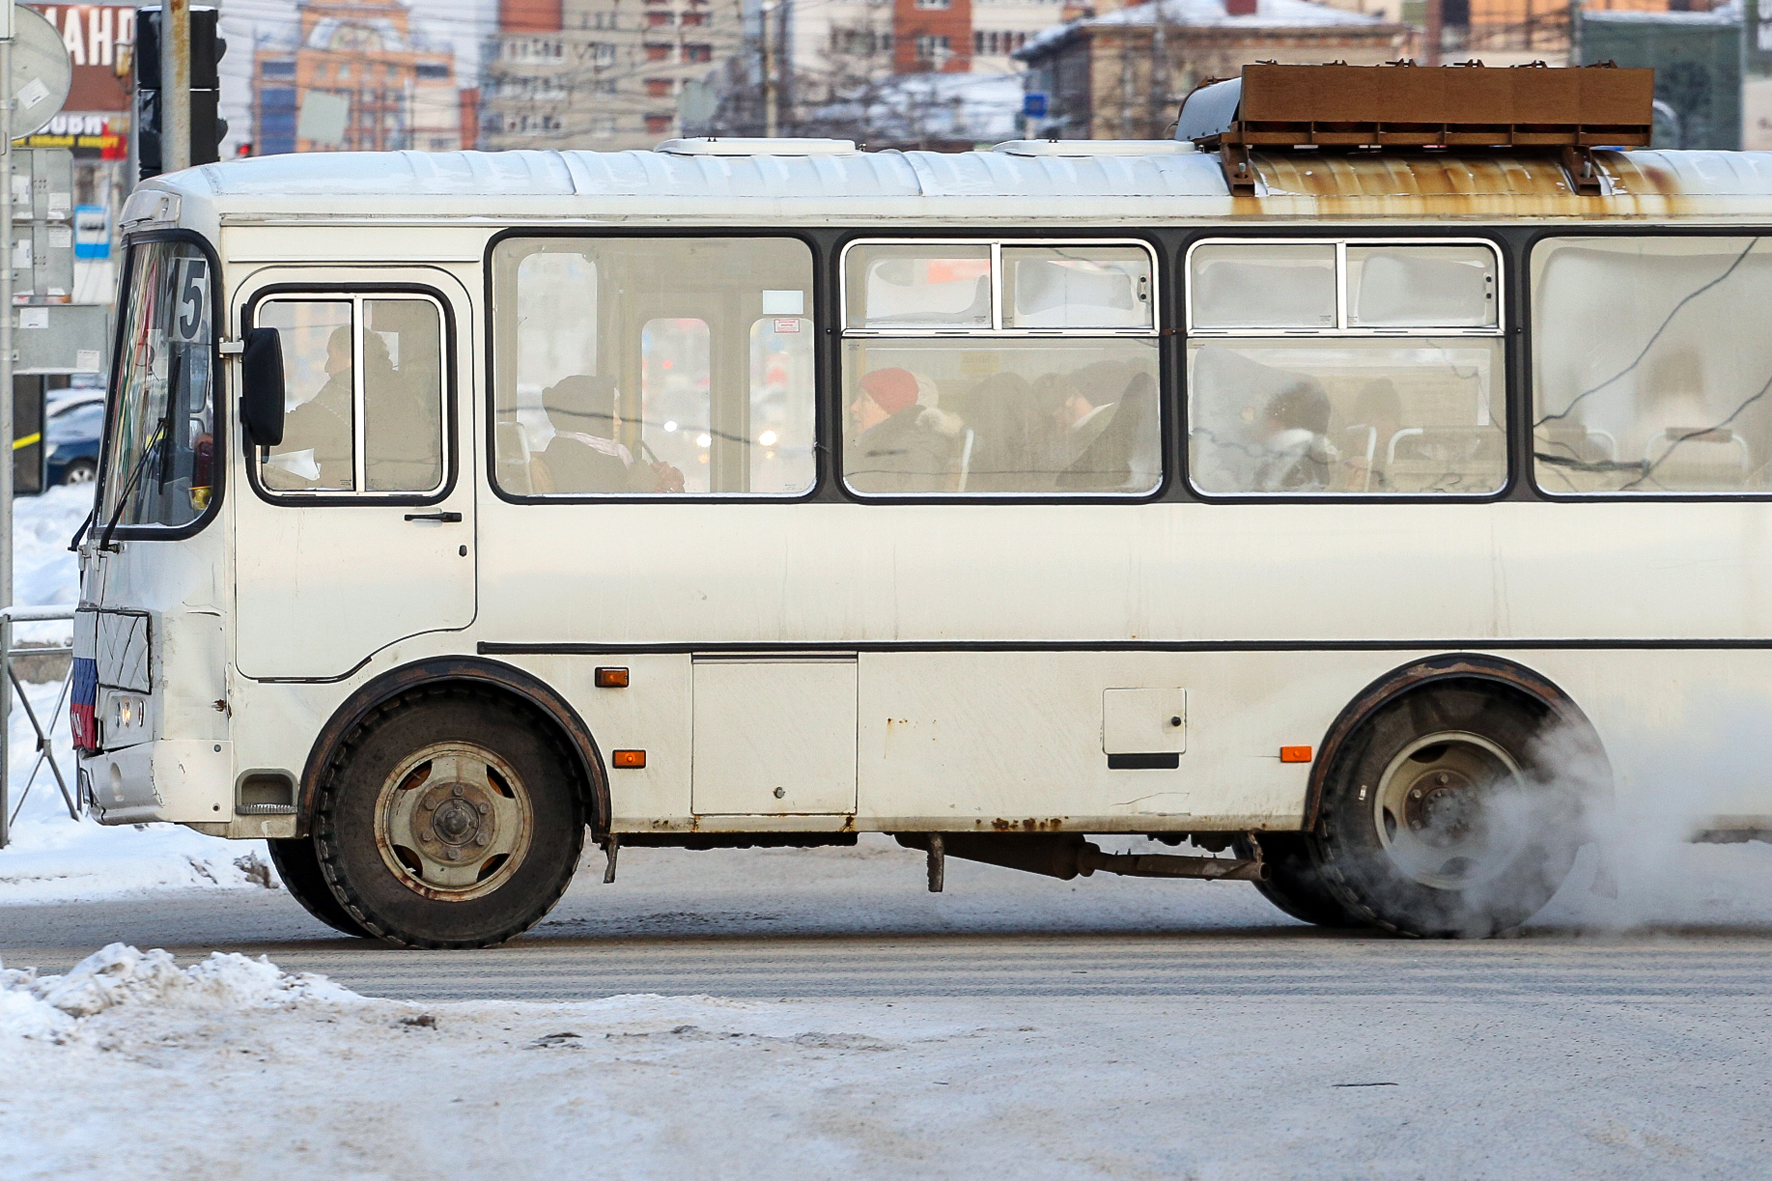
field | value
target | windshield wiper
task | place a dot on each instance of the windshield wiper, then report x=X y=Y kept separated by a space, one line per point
x=135 y=473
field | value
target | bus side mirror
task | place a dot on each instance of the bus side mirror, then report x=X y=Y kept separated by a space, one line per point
x=261 y=388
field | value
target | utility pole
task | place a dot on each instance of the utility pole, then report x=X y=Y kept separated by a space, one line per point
x=768 y=17
x=7 y=315
x=175 y=85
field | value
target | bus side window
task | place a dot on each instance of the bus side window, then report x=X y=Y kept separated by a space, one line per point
x=653 y=367
x=1663 y=389
x=1345 y=367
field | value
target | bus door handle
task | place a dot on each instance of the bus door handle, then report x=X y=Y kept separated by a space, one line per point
x=443 y=518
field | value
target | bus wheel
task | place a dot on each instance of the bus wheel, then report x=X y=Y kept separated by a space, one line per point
x=298 y=865
x=1295 y=884
x=449 y=820
x=1438 y=820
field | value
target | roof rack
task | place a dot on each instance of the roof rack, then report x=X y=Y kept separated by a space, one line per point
x=1569 y=111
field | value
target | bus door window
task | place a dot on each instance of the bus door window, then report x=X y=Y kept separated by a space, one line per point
x=999 y=368
x=363 y=380
x=653 y=366
x=1631 y=392
x=1370 y=368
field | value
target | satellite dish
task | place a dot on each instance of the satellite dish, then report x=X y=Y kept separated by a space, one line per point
x=41 y=71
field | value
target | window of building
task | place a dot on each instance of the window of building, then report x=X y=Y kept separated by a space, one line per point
x=933 y=48
x=698 y=53
x=659 y=87
x=1345 y=367
x=275 y=69
x=653 y=366
x=996 y=368
x=363 y=378
x=656 y=19
x=659 y=124
x=432 y=72
x=1650 y=372
x=658 y=53
x=933 y=3
x=694 y=18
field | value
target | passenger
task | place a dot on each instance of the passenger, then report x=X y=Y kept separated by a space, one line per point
x=319 y=435
x=900 y=444
x=579 y=460
x=1094 y=391
x=1298 y=456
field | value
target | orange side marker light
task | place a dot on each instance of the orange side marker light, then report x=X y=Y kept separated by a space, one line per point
x=612 y=678
x=1295 y=754
x=629 y=758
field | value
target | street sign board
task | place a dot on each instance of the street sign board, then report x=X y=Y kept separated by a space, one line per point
x=1033 y=105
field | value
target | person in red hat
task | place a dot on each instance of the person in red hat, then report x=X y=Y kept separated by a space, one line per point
x=900 y=444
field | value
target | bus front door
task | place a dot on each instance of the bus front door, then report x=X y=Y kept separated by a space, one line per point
x=355 y=531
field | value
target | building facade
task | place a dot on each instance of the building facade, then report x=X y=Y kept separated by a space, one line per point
x=603 y=74
x=355 y=76
x=1122 y=74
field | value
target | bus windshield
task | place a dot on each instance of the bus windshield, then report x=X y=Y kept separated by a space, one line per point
x=159 y=457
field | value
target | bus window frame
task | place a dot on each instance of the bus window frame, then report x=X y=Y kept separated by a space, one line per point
x=451 y=428
x=218 y=432
x=1591 y=230
x=1171 y=476
x=1513 y=370
x=823 y=363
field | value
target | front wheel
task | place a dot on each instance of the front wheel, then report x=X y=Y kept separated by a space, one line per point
x=1444 y=818
x=450 y=820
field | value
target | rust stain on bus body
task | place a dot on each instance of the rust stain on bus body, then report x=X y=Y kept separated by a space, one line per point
x=1030 y=824
x=1458 y=186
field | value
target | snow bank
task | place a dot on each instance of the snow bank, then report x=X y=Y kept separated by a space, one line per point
x=53 y=858
x=117 y=975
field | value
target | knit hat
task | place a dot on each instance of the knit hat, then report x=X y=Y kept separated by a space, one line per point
x=891 y=389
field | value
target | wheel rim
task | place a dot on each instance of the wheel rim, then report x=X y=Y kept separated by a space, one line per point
x=453 y=821
x=1449 y=810
x=79 y=474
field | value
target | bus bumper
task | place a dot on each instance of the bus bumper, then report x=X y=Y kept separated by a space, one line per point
x=181 y=780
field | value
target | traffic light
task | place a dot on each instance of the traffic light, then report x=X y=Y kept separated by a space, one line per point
x=208 y=128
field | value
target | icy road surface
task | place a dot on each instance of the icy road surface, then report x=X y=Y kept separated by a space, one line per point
x=831 y=1020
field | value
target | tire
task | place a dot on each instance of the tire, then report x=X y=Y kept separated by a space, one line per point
x=1439 y=821
x=298 y=865
x=81 y=471
x=1295 y=883
x=450 y=819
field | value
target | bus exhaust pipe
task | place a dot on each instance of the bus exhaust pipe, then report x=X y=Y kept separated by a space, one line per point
x=1067 y=857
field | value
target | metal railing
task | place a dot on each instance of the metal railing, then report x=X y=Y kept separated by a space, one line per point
x=45 y=751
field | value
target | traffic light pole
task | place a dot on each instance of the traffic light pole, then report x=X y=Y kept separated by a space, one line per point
x=175 y=85
x=7 y=316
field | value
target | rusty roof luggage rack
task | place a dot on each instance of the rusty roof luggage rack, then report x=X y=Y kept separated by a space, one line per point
x=1565 y=111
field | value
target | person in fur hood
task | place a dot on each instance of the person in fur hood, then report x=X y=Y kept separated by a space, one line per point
x=901 y=443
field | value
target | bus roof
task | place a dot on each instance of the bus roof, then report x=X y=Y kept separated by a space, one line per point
x=1041 y=183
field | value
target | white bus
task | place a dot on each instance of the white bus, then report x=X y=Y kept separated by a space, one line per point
x=763 y=493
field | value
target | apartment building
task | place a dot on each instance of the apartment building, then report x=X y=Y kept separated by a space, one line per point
x=603 y=74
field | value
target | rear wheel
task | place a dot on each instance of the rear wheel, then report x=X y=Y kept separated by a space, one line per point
x=298 y=865
x=81 y=471
x=450 y=820
x=1439 y=819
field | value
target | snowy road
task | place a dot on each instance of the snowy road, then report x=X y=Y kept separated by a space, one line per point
x=822 y=1016
x=858 y=923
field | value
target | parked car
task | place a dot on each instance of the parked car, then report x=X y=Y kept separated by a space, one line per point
x=73 y=433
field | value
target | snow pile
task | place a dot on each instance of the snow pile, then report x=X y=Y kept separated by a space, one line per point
x=48 y=1006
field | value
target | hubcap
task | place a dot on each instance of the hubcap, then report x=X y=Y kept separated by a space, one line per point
x=1451 y=808
x=453 y=821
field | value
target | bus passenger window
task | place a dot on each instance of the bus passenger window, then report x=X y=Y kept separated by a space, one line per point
x=318 y=452
x=359 y=372
x=1400 y=391
x=653 y=367
x=1054 y=393
x=1650 y=370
